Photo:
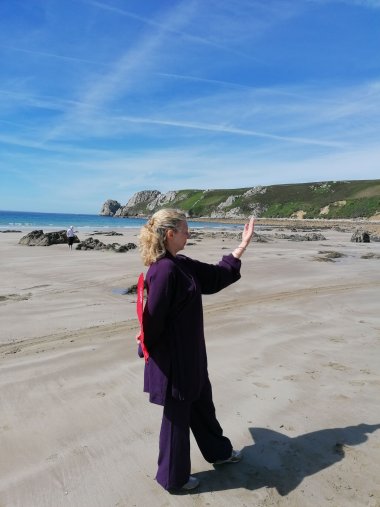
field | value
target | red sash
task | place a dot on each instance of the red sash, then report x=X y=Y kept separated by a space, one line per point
x=140 y=311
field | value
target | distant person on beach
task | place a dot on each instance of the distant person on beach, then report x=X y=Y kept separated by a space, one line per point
x=176 y=375
x=70 y=233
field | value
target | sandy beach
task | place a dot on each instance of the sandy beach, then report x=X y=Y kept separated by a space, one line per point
x=293 y=351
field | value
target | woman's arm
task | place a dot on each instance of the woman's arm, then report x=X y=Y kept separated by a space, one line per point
x=246 y=239
x=213 y=278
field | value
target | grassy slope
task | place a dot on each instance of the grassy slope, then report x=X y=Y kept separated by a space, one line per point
x=354 y=198
x=287 y=199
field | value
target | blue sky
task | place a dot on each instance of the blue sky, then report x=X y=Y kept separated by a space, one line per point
x=100 y=99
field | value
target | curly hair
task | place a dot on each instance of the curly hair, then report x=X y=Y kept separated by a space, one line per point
x=153 y=233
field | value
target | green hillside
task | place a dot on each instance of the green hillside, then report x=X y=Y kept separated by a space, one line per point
x=329 y=199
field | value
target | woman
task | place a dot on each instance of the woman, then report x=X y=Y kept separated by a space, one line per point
x=176 y=374
x=70 y=233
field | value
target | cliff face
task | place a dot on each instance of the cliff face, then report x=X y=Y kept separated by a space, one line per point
x=138 y=203
x=110 y=208
x=331 y=199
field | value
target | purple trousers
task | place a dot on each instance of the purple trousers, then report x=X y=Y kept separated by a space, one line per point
x=174 y=454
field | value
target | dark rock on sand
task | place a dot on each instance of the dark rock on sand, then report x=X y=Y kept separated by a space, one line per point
x=363 y=236
x=39 y=238
x=370 y=255
x=360 y=236
x=328 y=256
x=298 y=237
x=95 y=244
x=108 y=233
x=199 y=235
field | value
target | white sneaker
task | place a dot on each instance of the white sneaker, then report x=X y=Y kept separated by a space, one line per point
x=192 y=483
x=234 y=458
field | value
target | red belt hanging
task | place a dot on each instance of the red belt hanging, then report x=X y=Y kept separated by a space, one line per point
x=140 y=311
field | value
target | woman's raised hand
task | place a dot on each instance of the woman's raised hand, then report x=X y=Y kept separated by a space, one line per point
x=245 y=238
x=248 y=232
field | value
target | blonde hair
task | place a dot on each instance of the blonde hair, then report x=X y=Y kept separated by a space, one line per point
x=153 y=233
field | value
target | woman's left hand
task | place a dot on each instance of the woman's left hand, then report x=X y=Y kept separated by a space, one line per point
x=245 y=238
x=248 y=232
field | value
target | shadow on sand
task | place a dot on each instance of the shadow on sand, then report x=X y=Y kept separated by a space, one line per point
x=278 y=461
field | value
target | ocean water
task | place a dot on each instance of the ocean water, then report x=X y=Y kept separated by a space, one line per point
x=33 y=220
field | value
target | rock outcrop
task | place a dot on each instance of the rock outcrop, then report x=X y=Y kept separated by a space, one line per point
x=255 y=191
x=232 y=213
x=138 y=203
x=39 y=238
x=328 y=256
x=228 y=202
x=299 y=237
x=95 y=244
x=162 y=200
x=107 y=233
x=122 y=212
x=360 y=236
x=143 y=197
x=110 y=207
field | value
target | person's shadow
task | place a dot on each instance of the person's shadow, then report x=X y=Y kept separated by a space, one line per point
x=278 y=461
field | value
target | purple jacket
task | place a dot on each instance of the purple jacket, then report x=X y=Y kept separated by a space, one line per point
x=173 y=323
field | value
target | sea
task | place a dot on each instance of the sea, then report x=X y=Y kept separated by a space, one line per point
x=21 y=220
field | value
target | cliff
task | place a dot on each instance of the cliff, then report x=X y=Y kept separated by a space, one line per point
x=329 y=199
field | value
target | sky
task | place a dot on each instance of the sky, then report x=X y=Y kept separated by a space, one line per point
x=100 y=99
